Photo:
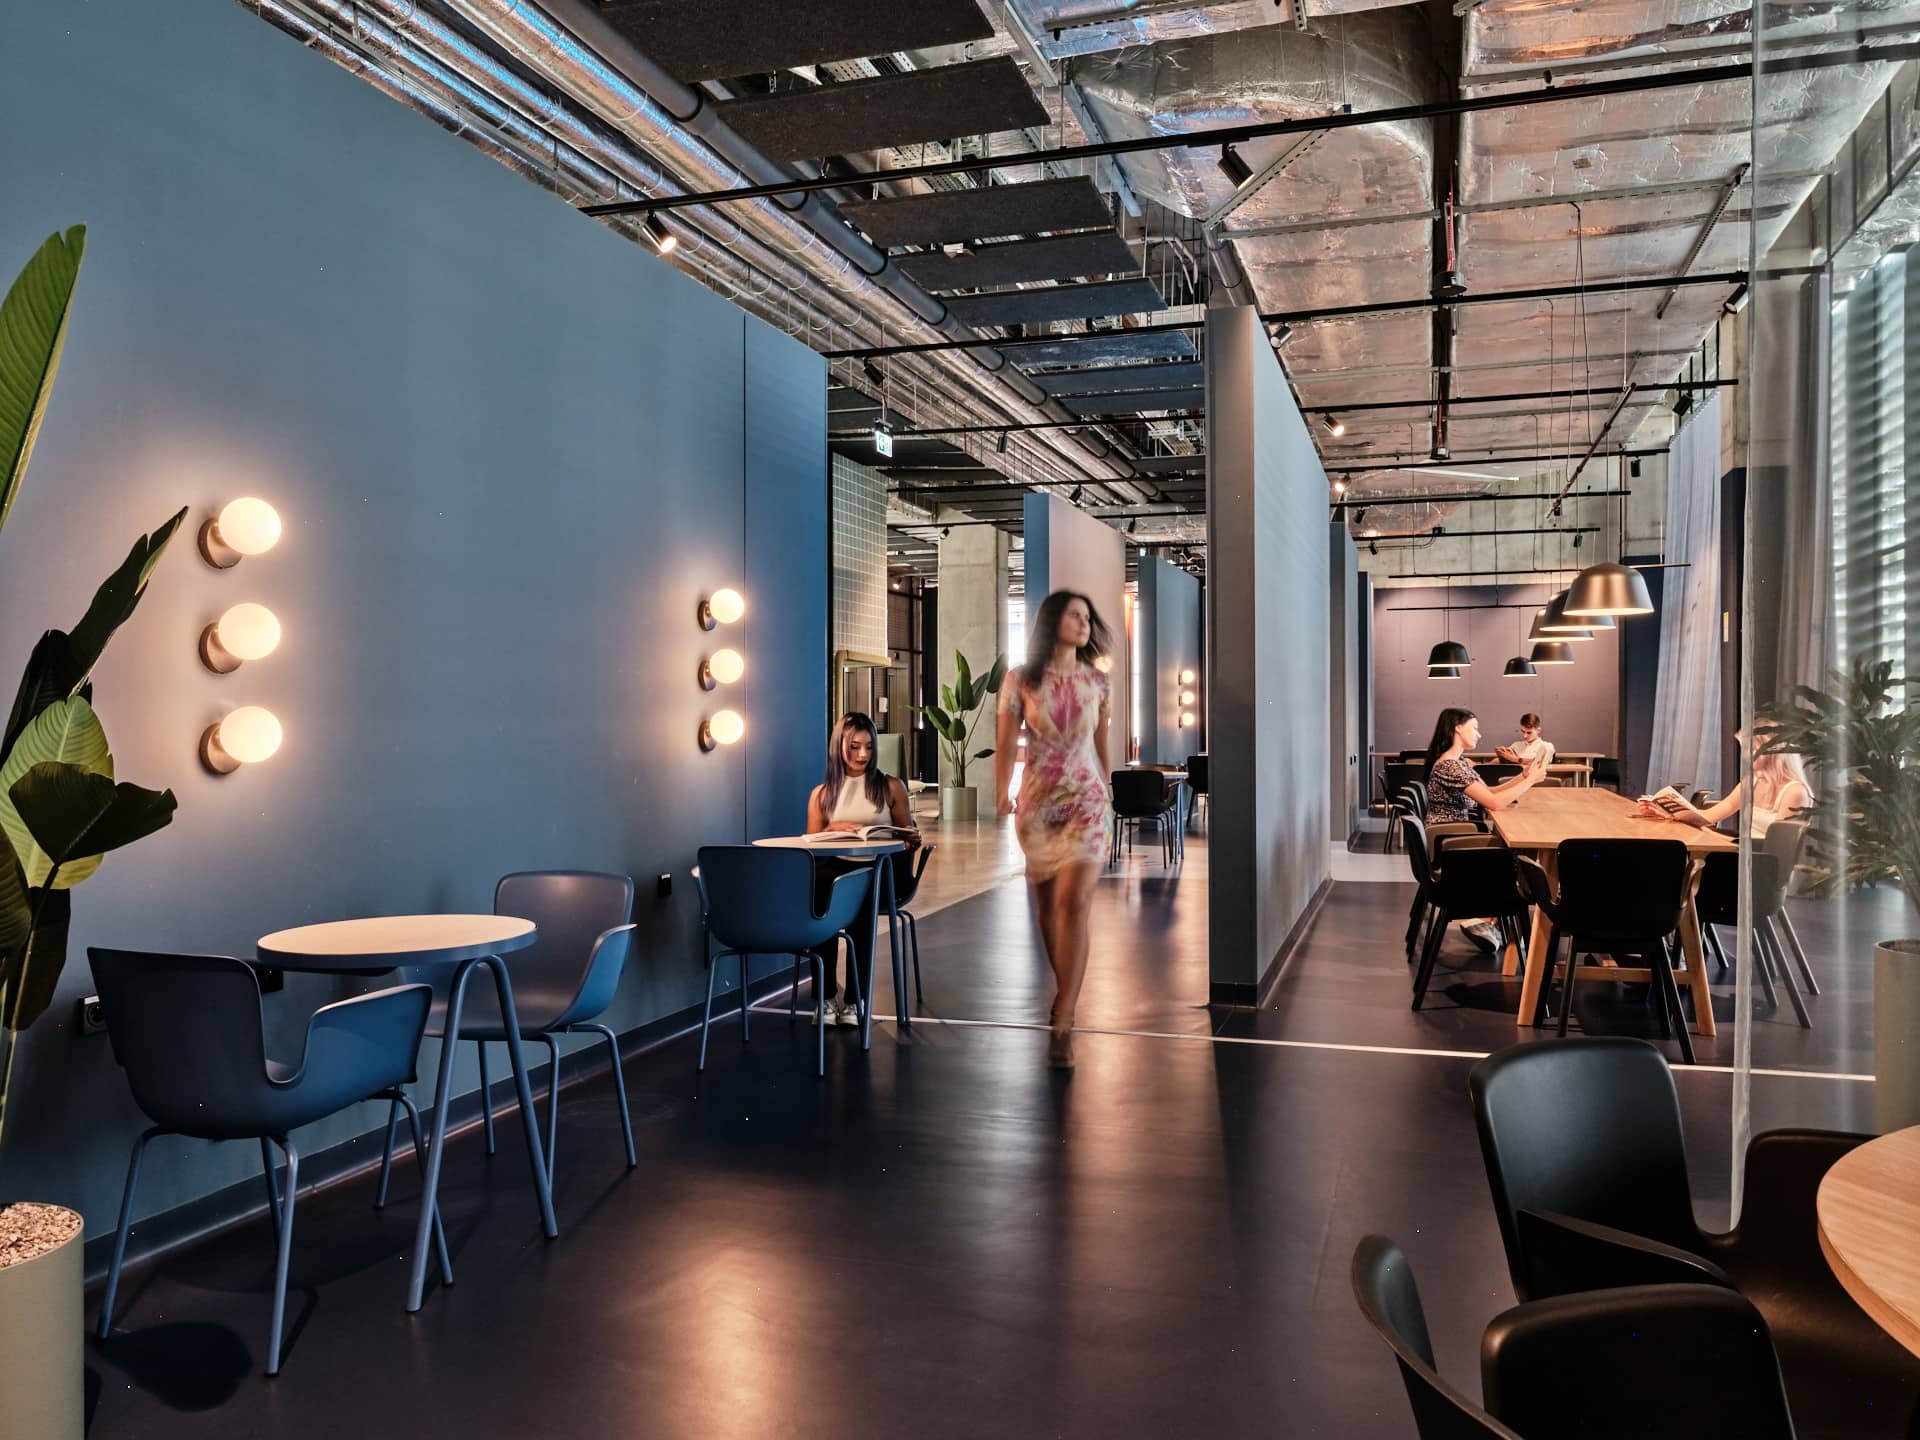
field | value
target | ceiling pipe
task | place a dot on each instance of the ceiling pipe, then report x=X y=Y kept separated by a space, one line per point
x=571 y=43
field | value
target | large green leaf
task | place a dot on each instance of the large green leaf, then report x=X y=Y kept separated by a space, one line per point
x=77 y=816
x=30 y=976
x=114 y=602
x=964 y=698
x=14 y=915
x=33 y=330
x=50 y=675
x=68 y=733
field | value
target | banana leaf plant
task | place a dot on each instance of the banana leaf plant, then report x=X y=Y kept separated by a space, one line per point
x=61 y=809
x=959 y=701
x=1864 y=747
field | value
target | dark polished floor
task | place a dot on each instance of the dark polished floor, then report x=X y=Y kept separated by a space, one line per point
x=942 y=1237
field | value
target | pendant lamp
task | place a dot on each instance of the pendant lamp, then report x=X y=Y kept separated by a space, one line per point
x=1552 y=652
x=1555 y=621
x=1608 y=589
x=1519 y=665
x=1443 y=672
x=1449 y=654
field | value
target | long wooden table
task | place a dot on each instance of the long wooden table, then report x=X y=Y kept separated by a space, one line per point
x=1543 y=819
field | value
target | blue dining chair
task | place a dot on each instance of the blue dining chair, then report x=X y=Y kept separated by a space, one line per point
x=760 y=901
x=561 y=984
x=907 y=870
x=187 y=1030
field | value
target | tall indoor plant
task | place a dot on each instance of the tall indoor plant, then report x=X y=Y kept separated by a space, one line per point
x=61 y=810
x=954 y=720
x=1864 y=830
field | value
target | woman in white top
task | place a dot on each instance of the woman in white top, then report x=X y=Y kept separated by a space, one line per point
x=1780 y=791
x=856 y=792
x=1530 y=745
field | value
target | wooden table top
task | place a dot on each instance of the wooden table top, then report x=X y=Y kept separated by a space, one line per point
x=845 y=849
x=1545 y=817
x=1869 y=1212
x=394 y=940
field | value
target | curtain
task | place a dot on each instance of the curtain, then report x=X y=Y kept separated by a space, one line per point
x=1686 y=740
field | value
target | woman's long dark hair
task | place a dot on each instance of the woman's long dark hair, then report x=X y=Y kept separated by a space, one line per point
x=1451 y=719
x=1044 y=633
x=876 y=778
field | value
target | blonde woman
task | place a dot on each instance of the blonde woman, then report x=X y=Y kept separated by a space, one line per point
x=1780 y=791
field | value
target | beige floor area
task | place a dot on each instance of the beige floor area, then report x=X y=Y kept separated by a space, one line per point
x=970 y=857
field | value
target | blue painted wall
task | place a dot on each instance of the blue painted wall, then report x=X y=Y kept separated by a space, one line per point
x=1168 y=617
x=511 y=450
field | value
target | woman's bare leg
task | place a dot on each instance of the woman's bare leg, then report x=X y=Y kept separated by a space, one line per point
x=1045 y=902
x=1073 y=899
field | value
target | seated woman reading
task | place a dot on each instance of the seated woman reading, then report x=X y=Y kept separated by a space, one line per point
x=855 y=793
x=1780 y=791
x=1456 y=794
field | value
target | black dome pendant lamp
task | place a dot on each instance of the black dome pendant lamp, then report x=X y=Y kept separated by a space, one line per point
x=1608 y=589
x=1449 y=654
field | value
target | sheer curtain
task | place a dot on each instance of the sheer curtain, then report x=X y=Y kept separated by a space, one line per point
x=1686 y=743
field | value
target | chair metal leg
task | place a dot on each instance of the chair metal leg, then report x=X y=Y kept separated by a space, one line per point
x=553 y=1099
x=1710 y=938
x=1416 y=913
x=913 y=939
x=1764 y=937
x=386 y=1155
x=1546 y=979
x=706 y=1019
x=1566 y=988
x=862 y=1004
x=1430 y=956
x=619 y=1084
x=273 y=1190
x=819 y=1012
x=793 y=992
x=285 y=1255
x=1785 y=922
x=486 y=1096
x=1670 y=1003
x=420 y=1158
x=125 y=1227
x=746 y=1032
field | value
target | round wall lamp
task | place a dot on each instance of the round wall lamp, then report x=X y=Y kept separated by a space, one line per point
x=243 y=527
x=1187 y=677
x=1186 y=719
x=725 y=728
x=1186 y=697
x=245 y=632
x=723 y=607
x=723 y=667
x=245 y=737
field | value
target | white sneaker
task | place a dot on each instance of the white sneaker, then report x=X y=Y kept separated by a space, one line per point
x=849 y=1014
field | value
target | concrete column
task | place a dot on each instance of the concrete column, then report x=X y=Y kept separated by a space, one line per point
x=972 y=620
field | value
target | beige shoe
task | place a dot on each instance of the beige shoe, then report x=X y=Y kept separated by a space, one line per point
x=1060 y=1051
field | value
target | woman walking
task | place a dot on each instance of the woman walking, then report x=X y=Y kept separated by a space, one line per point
x=1061 y=695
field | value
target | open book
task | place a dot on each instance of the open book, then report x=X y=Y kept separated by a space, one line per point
x=1671 y=801
x=865 y=832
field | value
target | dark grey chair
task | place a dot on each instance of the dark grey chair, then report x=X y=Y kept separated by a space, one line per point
x=1717 y=902
x=760 y=901
x=1143 y=795
x=907 y=870
x=1606 y=771
x=187 y=1030
x=561 y=984
x=1784 y=840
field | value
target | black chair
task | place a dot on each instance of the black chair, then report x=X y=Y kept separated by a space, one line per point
x=1142 y=795
x=1496 y=772
x=1384 y=1288
x=1400 y=776
x=1784 y=840
x=1718 y=903
x=1653 y=1360
x=907 y=870
x=1606 y=771
x=1469 y=880
x=1407 y=756
x=188 y=1030
x=1198 y=783
x=1587 y=1163
x=1616 y=897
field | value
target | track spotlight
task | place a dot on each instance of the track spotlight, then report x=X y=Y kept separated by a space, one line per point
x=1001 y=447
x=1334 y=427
x=1360 y=516
x=1281 y=334
x=1234 y=167
x=1737 y=301
x=1133 y=526
x=873 y=372
x=1450 y=284
x=1682 y=403
x=1373 y=547
x=664 y=240
x=1339 y=487
x=1576 y=542
x=1633 y=468
x=1073 y=495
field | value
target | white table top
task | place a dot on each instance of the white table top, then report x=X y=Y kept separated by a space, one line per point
x=394 y=940
x=849 y=849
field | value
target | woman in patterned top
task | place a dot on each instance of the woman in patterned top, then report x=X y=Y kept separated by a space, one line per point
x=1455 y=791
x=1061 y=696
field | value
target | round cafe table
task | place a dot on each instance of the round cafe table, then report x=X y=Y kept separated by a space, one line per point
x=462 y=944
x=880 y=895
x=1869 y=1214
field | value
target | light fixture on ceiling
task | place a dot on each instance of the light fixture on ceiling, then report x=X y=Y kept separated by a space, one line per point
x=1551 y=652
x=723 y=667
x=664 y=240
x=1234 y=166
x=1334 y=427
x=1519 y=667
x=247 y=526
x=1606 y=590
x=1449 y=284
x=1737 y=301
x=246 y=736
x=1360 y=516
x=723 y=607
x=1682 y=403
x=1449 y=654
x=725 y=728
x=1373 y=547
x=1000 y=447
x=1443 y=672
x=1633 y=468
x=1133 y=526
x=1555 y=621
x=1281 y=334
x=1339 y=487
x=873 y=372
x=1073 y=495
x=1440 y=452
x=245 y=632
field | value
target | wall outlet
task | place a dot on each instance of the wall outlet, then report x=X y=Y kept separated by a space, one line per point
x=663 y=886
x=270 y=978
x=92 y=1016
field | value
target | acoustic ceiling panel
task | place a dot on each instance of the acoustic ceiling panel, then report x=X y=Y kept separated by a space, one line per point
x=1100 y=347
x=944 y=216
x=1058 y=302
x=1170 y=464
x=697 y=40
x=1131 y=402
x=1183 y=374
x=980 y=97
x=1059 y=257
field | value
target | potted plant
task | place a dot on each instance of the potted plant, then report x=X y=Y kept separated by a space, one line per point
x=1863 y=830
x=61 y=810
x=954 y=720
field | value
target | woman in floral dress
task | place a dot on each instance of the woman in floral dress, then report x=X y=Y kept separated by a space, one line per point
x=1061 y=696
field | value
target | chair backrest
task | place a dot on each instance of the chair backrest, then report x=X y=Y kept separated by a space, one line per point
x=1413 y=838
x=1139 y=793
x=1404 y=772
x=1197 y=774
x=1419 y=755
x=1784 y=840
x=1534 y=881
x=1496 y=772
x=761 y=899
x=1717 y=902
x=1586 y=1128
x=907 y=870
x=1384 y=1288
x=186 y=1029
x=1606 y=770
x=1664 y=1362
x=1622 y=889
x=551 y=977
x=1478 y=880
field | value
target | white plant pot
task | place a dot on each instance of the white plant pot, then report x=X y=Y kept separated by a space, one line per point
x=1896 y=1034
x=959 y=802
x=43 y=1345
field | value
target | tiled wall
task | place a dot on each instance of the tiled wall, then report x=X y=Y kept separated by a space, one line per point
x=859 y=558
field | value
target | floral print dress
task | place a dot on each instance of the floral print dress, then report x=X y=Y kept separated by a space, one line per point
x=1063 y=811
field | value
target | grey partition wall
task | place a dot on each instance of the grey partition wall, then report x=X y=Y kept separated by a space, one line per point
x=1269 y=854
x=1067 y=549
x=511 y=451
x=1167 y=615
x=1347 y=750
